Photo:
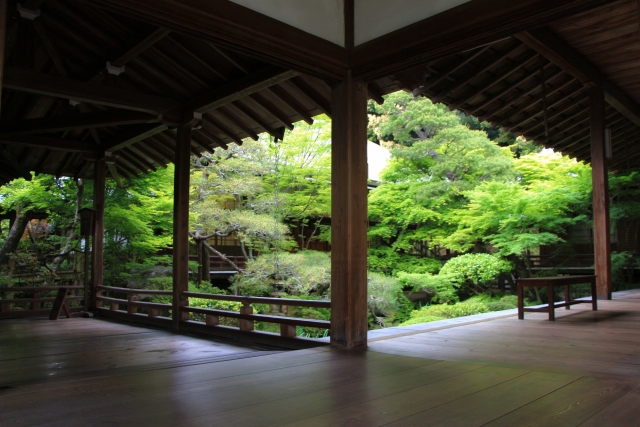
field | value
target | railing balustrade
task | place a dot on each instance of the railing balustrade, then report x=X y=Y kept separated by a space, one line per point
x=37 y=305
x=128 y=308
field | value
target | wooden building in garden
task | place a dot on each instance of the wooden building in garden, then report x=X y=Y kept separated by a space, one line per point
x=110 y=89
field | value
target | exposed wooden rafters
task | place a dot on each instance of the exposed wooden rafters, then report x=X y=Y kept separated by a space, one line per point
x=555 y=49
x=42 y=84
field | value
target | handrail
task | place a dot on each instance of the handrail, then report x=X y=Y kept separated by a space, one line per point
x=261 y=300
x=135 y=303
x=260 y=317
x=134 y=291
x=48 y=299
x=38 y=288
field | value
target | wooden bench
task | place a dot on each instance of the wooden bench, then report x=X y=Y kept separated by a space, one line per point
x=550 y=283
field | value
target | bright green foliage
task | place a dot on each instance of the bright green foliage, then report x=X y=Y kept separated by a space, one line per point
x=442 y=286
x=478 y=304
x=421 y=319
x=435 y=159
x=547 y=197
x=465 y=308
x=388 y=261
x=138 y=223
x=300 y=273
x=303 y=178
x=474 y=271
x=382 y=297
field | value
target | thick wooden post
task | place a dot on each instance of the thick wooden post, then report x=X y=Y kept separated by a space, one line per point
x=181 y=224
x=349 y=214
x=599 y=166
x=97 y=259
x=3 y=37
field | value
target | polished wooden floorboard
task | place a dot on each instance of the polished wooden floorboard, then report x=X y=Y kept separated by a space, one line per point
x=582 y=370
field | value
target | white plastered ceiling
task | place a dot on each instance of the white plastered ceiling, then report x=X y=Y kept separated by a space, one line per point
x=322 y=18
x=373 y=18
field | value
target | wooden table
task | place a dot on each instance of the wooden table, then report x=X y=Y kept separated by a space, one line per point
x=550 y=283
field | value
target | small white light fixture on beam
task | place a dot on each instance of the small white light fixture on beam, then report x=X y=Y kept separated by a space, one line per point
x=28 y=13
x=608 y=153
x=112 y=69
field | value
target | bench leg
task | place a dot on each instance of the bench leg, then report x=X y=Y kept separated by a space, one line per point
x=520 y=302
x=552 y=313
x=567 y=297
x=594 y=296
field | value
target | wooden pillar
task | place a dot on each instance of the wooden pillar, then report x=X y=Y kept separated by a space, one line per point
x=181 y=224
x=3 y=37
x=97 y=260
x=599 y=166
x=349 y=214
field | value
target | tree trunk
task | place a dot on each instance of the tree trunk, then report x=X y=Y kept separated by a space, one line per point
x=15 y=234
x=200 y=248
x=206 y=265
x=72 y=233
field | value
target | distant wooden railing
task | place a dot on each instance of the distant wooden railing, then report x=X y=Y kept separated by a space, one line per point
x=128 y=309
x=247 y=318
x=153 y=309
x=34 y=306
x=216 y=263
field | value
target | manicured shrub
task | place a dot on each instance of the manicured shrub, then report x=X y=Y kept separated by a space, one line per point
x=442 y=285
x=475 y=272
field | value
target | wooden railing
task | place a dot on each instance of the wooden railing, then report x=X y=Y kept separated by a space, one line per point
x=153 y=309
x=35 y=306
x=216 y=263
x=247 y=318
x=116 y=306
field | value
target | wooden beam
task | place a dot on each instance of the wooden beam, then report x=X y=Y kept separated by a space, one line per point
x=470 y=25
x=75 y=121
x=140 y=46
x=497 y=78
x=113 y=169
x=181 y=225
x=349 y=214
x=312 y=94
x=51 y=48
x=292 y=103
x=59 y=87
x=238 y=89
x=249 y=112
x=518 y=95
x=236 y=121
x=212 y=121
x=485 y=66
x=64 y=145
x=231 y=25
x=275 y=111
x=133 y=135
x=14 y=164
x=97 y=261
x=600 y=177
x=558 y=51
x=451 y=68
x=3 y=37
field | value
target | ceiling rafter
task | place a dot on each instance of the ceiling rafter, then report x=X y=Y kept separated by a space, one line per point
x=133 y=135
x=291 y=102
x=521 y=94
x=239 y=88
x=59 y=87
x=495 y=79
x=50 y=143
x=557 y=50
x=514 y=86
x=75 y=121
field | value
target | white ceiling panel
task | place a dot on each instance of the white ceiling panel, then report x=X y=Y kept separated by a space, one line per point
x=375 y=18
x=322 y=18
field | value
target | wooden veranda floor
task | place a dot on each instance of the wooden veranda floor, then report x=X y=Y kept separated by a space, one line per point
x=583 y=369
